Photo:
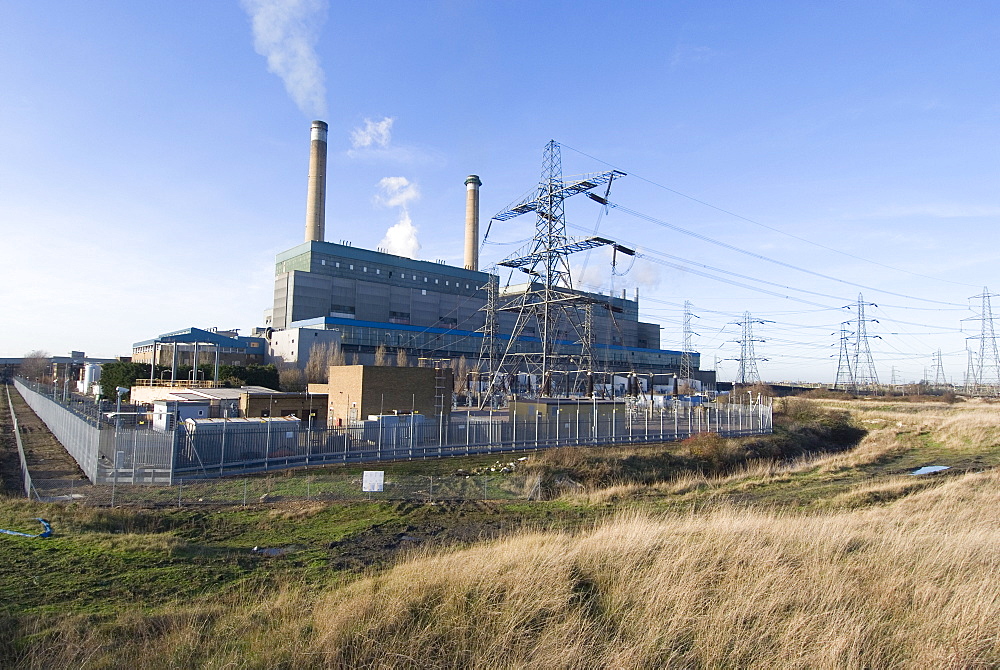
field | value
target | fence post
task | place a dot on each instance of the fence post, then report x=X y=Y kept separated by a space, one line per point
x=180 y=488
x=244 y=492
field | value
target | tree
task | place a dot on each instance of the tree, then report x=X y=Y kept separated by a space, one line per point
x=292 y=378
x=35 y=365
x=402 y=360
x=123 y=374
x=461 y=375
x=318 y=365
x=249 y=375
x=337 y=355
x=381 y=357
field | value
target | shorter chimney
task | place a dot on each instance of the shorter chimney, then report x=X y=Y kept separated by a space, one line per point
x=472 y=185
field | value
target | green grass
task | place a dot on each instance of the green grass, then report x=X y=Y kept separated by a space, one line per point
x=102 y=560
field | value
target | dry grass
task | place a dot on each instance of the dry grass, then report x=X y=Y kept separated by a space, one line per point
x=890 y=572
x=904 y=586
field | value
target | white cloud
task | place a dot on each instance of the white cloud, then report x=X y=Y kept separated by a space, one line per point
x=285 y=32
x=396 y=192
x=684 y=54
x=374 y=133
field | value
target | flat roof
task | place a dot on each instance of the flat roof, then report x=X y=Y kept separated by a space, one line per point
x=359 y=254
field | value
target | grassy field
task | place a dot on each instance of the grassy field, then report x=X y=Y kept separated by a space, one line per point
x=814 y=548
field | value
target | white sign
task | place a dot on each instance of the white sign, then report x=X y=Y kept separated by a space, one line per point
x=372 y=481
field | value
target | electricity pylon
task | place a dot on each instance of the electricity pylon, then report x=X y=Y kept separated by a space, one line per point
x=686 y=350
x=747 y=372
x=986 y=372
x=939 y=379
x=856 y=367
x=845 y=373
x=865 y=375
x=558 y=313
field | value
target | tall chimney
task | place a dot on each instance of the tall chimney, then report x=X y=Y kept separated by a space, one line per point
x=316 y=197
x=472 y=185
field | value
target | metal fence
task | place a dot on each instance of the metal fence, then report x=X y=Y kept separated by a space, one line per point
x=281 y=488
x=26 y=483
x=113 y=453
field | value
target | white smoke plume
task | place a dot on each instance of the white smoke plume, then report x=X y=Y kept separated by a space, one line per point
x=630 y=271
x=401 y=238
x=285 y=32
x=377 y=133
x=645 y=274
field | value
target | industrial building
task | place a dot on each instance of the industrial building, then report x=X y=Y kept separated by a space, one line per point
x=208 y=346
x=436 y=312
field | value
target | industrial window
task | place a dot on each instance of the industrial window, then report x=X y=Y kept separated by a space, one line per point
x=337 y=264
x=351 y=266
x=322 y=262
x=423 y=291
x=425 y=280
x=466 y=286
x=377 y=271
x=436 y=281
x=365 y=268
x=446 y=283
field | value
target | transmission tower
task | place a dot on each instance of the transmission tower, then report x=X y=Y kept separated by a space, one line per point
x=488 y=350
x=686 y=350
x=986 y=377
x=939 y=379
x=970 y=372
x=548 y=303
x=863 y=365
x=747 y=372
x=845 y=372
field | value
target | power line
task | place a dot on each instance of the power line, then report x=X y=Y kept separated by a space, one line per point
x=762 y=225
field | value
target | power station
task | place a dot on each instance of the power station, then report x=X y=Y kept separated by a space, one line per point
x=540 y=337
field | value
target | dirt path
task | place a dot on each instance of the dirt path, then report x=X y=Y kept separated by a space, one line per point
x=46 y=457
x=10 y=465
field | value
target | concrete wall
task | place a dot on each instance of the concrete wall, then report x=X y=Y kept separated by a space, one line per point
x=357 y=391
x=301 y=405
x=292 y=346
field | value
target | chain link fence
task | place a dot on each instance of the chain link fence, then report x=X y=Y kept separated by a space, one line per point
x=280 y=489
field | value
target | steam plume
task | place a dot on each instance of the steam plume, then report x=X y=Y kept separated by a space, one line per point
x=401 y=238
x=285 y=32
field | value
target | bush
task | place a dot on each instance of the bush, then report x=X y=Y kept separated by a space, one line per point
x=715 y=452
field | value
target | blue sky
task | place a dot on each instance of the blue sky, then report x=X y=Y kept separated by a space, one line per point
x=151 y=165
